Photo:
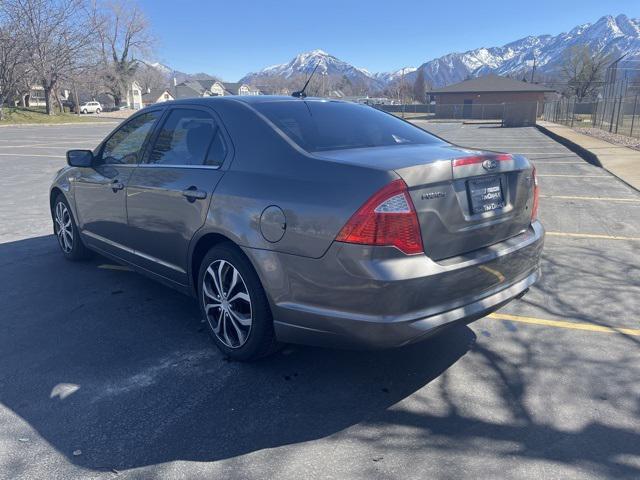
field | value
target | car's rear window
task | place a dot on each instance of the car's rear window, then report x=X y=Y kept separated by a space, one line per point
x=325 y=125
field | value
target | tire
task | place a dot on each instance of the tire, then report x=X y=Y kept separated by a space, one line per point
x=239 y=320
x=66 y=231
x=98 y=110
x=84 y=111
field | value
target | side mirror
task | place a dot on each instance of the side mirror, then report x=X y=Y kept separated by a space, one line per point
x=80 y=158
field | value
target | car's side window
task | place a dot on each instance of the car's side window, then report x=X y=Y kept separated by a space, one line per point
x=125 y=145
x=189 y=137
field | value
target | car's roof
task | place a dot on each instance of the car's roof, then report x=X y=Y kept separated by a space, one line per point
x=249 y=99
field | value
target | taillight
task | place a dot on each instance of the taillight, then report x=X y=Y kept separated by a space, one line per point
x=536 y=195
x=388 y=218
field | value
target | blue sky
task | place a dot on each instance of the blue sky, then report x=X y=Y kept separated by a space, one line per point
x=229 y=39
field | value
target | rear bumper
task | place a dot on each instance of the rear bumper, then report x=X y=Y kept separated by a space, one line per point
x=356 y=296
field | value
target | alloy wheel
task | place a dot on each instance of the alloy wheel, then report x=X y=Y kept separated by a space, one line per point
x=64 y=227
x=227 y=303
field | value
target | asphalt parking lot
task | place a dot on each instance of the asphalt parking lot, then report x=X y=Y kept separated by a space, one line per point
x=105 y=374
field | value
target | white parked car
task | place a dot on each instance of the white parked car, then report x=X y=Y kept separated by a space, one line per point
x=91 y=107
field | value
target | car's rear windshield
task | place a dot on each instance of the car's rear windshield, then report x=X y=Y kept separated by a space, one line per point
x=326 y=125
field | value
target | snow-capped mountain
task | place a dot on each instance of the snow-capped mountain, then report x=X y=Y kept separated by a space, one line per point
x=161 y=67
x=389 y=77
x=304 y=63
x=610 y=35
x=332 y=68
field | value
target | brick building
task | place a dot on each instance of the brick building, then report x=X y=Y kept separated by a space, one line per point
x=490 y=97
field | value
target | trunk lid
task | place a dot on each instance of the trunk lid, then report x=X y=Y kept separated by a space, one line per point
x=462 y=203
x=486 y=199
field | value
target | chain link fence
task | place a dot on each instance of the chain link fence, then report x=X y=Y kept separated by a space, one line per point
x=619 y=115
x=515 y=114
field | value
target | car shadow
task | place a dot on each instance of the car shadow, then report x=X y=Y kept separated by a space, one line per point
x=100 y=359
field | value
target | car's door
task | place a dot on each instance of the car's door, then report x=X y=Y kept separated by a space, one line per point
x=100 y=191
x=168 y=195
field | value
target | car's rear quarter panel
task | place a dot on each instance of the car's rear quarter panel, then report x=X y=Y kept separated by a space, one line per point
x=317 y=196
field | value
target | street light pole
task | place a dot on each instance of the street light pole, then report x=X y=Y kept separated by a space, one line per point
x=402 y=90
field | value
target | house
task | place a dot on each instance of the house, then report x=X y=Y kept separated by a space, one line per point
x=156 y=95
x=189 y=89
x=272 y=90
x=491 y=97
x=133 y=96
x=213 y=88
x=35 y=97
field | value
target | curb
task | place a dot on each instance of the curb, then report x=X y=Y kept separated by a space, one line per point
x=579 y=150
x=582 y=152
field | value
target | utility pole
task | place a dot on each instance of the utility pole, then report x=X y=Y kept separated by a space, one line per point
x=402 y=90
x=175 y=86
x=324 y=79
x=533 y=71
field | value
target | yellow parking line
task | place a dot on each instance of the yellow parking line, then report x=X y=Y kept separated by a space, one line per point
x=578 y=176
x=591 y=327
x=607 y=199
x=592 y=235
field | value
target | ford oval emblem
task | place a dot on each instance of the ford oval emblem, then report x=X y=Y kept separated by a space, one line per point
x=490 y=164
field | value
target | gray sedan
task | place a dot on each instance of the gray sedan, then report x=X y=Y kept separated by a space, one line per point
x=304 y=220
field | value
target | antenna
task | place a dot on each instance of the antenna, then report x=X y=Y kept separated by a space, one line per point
x=300 y=93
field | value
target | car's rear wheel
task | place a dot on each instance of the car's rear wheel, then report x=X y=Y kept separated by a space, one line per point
x=234 y=304
x=98 y=110
x=66 y=231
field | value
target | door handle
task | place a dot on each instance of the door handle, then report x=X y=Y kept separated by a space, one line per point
x=192 y=194
x=116 y=185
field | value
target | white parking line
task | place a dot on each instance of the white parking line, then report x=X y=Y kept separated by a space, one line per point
x=45 y=145
x=31 y=155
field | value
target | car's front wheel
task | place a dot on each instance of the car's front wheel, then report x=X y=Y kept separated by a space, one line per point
x=84 y=111
x=234 y=304
x=66 y=231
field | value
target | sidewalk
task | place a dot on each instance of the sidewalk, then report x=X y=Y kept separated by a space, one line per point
x=620 y=161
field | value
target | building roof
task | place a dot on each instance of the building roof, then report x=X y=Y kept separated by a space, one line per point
x=206 y=83
x=155 y=94
x=188 y=90
x=491 y=83
x=231 y=87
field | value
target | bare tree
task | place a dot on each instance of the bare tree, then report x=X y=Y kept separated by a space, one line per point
x=583 y=71
x=124 y=32
x=12 y=63
x=56 y=38
x=150 y=78
x=420 y=86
